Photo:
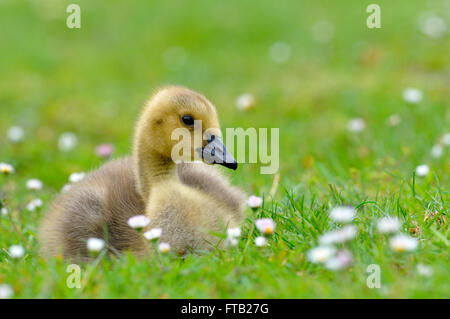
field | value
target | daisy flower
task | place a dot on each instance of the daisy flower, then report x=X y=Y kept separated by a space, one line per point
x=320 y=254
x=341 y=260
x=15 y=134
x=343 y=214
x=138 y=222
x=6 y=168
x=164 y=247
x=388 y=225
x=338 y=236
x=6 y=291
x=231 y=241
x=34 y=204
x=254 y=202
x=446 y=139
x=153 y=233
x=4 y=211
x=412 y=95
x=76 y=177
x=232 y=236
x=401 y=243
x=437 y=151
x=234 y=232
x=260 y=241
x=265 y=225
x=67 y=141
x=280 y=52
x=424 y=270
x=356 y=125
x=104 y=150
x=432 y=25
x=34 y=184
x=95 y=245
x=422 y=170
x=394 y=120
x=323 y=31
x=245 y=101
x=65 y=188
x=16 y=251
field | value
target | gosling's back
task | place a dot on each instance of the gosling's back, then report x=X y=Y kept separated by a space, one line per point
x=98 y=206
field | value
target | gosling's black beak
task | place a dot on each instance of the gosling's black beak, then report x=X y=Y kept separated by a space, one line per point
x=215 y=152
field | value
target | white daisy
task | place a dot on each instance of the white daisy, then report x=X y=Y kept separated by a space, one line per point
x=34 y=184
x=388 y=225
x=401 y=243
x=6 y=168
x=76 y=177
x=234 y=232
x=265 y=225
x=16 y=251
x=260 y=241
x=245 y=101
x=422 y=170
x=343 y=214
x=280 y=52
x=95 y=245
x=65 y=188
x=67 y=141
x=254 y=202
x=432 y=25
x=138 y=222
x=341 y=260
x=446 y=139
x=6 y=291
x=34 y=204
x=412 y=95
x=424 y=270
x=153 y=233
x=437 y=150
x=4 y=211
x=320 y=254
x=323 y=31
x=164 y=247
x=232 y=236
x=338 y=236
x=394 y=120
x=231 y=241
x=15 y=134
x=356 y=125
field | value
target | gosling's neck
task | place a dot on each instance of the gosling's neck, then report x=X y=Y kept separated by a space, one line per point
x=150 y=166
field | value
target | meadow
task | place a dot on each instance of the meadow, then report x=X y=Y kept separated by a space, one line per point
x=351 y=133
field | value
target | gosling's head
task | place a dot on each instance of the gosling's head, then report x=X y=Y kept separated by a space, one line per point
x=181 y=124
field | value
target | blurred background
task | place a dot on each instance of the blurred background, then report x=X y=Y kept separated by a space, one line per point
x=359 y=112
x=307 y=67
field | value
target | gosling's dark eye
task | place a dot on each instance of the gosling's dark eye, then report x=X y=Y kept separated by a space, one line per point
x=187 y=120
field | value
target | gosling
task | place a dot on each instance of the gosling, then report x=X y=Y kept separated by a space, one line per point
x=189 y=201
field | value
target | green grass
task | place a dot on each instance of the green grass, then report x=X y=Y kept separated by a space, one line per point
x=93 y=81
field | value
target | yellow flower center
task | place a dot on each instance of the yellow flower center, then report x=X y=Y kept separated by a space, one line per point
x=268 y=230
